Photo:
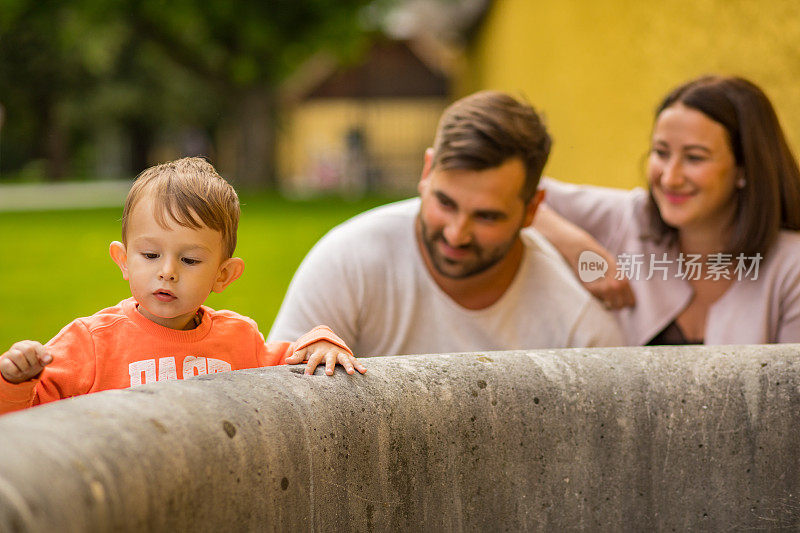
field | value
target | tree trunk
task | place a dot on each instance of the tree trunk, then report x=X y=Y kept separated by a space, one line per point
x=53 y=140
x=141 y=141
x=247 y=142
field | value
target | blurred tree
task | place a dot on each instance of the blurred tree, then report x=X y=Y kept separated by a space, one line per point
x=38 y=72
x=71 y=68
x=244 y=50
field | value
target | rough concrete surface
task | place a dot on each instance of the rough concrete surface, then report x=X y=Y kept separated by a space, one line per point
x=634 y=439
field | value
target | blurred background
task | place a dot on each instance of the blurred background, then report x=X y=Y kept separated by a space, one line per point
x=316 y=110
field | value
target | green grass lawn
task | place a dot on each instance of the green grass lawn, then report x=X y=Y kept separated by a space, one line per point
x=55 y=267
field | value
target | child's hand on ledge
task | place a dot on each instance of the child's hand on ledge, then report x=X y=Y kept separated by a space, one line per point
x=321 y=350
x=23 y=361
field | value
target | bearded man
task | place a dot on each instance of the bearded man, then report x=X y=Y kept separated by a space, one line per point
x=457 y=269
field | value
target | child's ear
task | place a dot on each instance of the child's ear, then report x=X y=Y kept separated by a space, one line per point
x=229 y=271
x=120 y=257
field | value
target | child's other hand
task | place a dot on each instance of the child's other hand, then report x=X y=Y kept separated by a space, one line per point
x=23 y=361
x=321 y=350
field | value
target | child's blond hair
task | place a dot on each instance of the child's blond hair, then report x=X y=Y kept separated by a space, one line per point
x=185 y=190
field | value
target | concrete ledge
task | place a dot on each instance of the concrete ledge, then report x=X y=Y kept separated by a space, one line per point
x=603 y=439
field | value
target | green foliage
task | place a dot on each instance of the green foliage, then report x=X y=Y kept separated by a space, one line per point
x=55 y=265
x=37 y=67
x=71 y=70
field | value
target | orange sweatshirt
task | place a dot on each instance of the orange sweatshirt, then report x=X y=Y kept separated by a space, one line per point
x=118 y=348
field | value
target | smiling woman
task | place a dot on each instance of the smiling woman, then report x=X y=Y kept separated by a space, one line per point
x=766 y=185
x=693 y=175
x=708 y=254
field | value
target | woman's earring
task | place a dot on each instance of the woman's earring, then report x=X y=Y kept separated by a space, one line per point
x=740 y=183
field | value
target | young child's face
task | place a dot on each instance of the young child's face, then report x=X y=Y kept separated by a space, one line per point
x=171 y=270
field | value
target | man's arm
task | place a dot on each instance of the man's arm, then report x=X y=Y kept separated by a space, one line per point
x=600 y=211
x=578 y=219
x=573 y=243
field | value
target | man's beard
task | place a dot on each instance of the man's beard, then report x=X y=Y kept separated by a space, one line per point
x=478 y=261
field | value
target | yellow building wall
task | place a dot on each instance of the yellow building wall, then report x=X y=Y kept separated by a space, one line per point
x=313 y=142
x=598 y=69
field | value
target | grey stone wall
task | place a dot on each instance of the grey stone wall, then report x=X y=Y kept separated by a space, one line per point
x=632 y=439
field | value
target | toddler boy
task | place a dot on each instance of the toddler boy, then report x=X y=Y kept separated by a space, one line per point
x=178 y=237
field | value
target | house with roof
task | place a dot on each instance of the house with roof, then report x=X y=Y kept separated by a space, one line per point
x=361 y=128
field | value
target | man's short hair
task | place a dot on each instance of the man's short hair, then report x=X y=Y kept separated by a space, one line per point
x=486 y=129
x=185 y=190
